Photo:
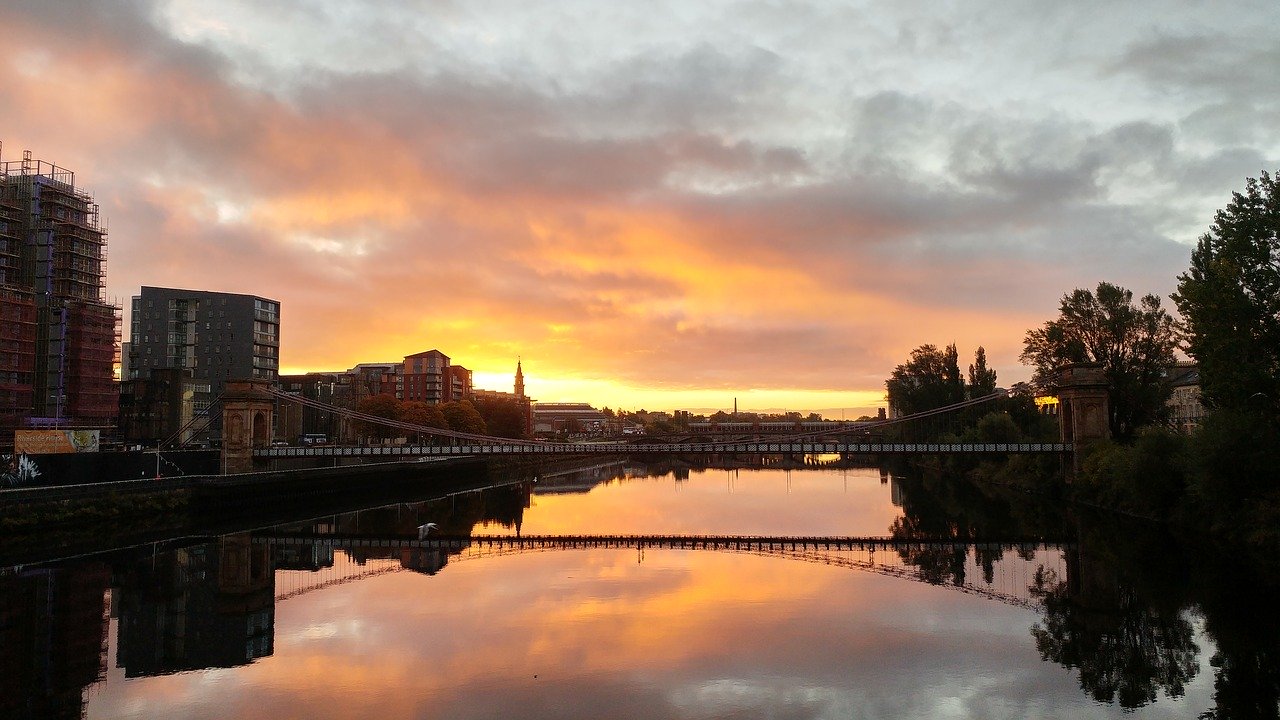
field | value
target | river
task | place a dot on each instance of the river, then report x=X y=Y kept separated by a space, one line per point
x=1044 y=615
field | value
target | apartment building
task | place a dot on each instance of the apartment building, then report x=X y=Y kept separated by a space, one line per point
x=217 y=336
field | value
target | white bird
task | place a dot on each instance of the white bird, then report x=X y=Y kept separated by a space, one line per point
x=425 y=530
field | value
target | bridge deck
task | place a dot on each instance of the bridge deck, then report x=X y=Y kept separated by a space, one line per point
x=672 y=542
x=537 y=448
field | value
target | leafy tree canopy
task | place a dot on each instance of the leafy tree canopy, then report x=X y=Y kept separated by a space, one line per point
x=382 y=406
x=1230 y=302
x=503 y=417
x=1133 y=343
x=982 y=380
x=463 y=417
x=417 y=412
x=930 y=379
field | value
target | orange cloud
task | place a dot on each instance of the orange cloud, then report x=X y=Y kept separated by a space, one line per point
x=650 y=257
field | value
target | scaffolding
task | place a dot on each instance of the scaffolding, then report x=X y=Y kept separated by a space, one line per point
x=17 y=355
x=59 y=337
x=17 y=313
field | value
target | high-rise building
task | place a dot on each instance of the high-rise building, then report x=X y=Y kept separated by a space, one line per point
x=427 y=378
x=58 y=335
x=217 y=336
x=461 y=383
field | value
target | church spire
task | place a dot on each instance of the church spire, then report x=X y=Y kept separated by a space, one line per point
x=519 y=380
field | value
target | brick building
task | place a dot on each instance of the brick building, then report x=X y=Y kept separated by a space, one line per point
x=58 y=335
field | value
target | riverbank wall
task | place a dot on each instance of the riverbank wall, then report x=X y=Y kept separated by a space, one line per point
x=55 y=521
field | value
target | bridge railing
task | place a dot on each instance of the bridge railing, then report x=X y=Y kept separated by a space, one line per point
x=478 y=439
x=685 y=448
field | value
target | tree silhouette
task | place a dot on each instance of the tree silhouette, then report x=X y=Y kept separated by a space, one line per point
x=1133 y=343
x=1125 y=651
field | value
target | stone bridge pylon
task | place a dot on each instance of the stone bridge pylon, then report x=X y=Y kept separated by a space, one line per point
x=1084 y=413
x=248 y=410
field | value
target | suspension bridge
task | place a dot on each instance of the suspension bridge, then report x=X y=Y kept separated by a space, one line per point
x=839 y=440
x=999 y=571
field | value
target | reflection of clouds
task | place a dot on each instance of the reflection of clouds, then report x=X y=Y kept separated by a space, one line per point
x=322 y=631
x=765 y=502
x=728 y=633
x=682 y=634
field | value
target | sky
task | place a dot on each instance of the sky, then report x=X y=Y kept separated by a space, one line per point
x=652 y=205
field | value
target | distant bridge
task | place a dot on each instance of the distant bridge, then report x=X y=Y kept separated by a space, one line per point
x=1011 y=578
x=824 y=438
x=795 y=447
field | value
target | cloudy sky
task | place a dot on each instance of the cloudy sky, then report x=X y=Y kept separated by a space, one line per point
x=658 y=204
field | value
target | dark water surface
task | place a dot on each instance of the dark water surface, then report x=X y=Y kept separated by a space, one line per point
x=348 y=616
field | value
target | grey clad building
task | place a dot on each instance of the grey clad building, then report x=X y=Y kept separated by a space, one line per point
x=216 y=336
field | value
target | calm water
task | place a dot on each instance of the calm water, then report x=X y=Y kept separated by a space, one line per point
x=340 y=618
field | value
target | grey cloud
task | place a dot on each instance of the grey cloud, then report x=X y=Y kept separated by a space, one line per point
x=698 y=88
x=132 y=26
x=1242 y=123
x=1223 y=170
x=1144 y=147
x=1213 y=63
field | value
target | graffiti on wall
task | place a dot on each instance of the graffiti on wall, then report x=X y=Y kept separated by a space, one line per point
x=17 y=470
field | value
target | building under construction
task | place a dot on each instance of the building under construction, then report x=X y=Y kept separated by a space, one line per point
x=58 y=335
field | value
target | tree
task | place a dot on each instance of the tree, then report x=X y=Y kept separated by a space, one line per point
x=462 y=417
x=1230 y=303
x=1134 y=345
x=381 y=406
x=416 y=412
x=1125 y=650
x=930 y=379
x=1020 y=405
x=503 y=417
x=982 y=382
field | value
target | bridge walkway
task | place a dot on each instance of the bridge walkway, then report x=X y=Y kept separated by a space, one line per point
x=687 y=448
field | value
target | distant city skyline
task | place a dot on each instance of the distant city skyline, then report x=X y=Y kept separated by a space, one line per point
x=660 y=206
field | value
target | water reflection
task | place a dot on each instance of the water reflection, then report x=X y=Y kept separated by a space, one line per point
x=1127 y=611
x=1124 y=650
x=205 y=606
x=53 y=638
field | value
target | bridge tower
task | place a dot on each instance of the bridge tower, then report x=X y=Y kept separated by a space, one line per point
x=247 y=412
x=1084 y=412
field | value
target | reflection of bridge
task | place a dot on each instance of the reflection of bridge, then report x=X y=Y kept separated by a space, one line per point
x=1006 y=579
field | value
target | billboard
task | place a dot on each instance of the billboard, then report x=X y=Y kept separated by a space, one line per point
x=48 y=442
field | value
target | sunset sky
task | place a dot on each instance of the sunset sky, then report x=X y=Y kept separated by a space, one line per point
x=659 y=204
